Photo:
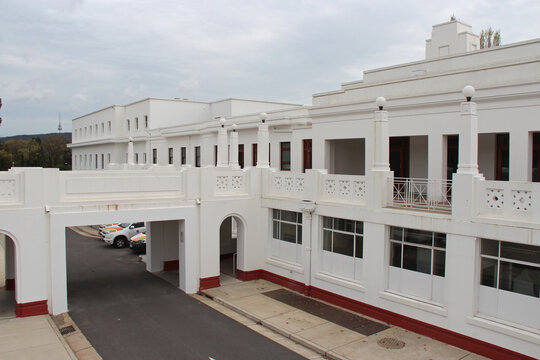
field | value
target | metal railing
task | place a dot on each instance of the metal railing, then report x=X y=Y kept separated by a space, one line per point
x=422 y=194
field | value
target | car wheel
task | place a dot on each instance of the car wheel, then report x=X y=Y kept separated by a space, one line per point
x=120 y=242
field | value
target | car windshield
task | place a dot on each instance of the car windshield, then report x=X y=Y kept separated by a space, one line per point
x=124 y=225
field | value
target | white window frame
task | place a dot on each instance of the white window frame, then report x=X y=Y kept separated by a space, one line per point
x=283 y=249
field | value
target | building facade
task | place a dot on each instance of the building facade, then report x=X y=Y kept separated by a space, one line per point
x=412 y=196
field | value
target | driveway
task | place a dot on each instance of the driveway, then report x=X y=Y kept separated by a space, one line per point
x=128 y=313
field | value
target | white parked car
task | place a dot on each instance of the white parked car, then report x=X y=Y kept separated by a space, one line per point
x=120 y=234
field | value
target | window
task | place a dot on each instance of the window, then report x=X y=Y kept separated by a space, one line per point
x=103 y=161
x=183 y=155
x=286 y=156
x=136 y=158
x=286 y=242
x=417 y=263
x=136 y=123
x=241 y=155
x=96 y=127
x=96 y=160
x=146 y=121
x=102 y=128
x=343 y=236
x=128 y=125
x=287 y=226
x=109 y=124
x=170 y=156
x=306 y=144
x=502 y=161
x=254 y=154
x=536 y=157
x=417 y=250
x=511 y=267
x=108 y=158
x=144 y=157
x=154 y=156
x=510 y=282
x=90 y=131
x=197 y=156
x=343 y=247
x=215 y=155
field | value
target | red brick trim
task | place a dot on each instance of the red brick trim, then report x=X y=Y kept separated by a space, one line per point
x=209 y=283
x=32 y=308
x=283 y=281
x=10 y=284
x=447 y=336
x=248 y=275
x=171 y=265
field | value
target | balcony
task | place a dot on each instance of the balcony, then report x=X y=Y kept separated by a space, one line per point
x=422 y=194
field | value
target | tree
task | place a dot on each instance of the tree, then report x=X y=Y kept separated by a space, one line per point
x=54 y=147
x=490 y=38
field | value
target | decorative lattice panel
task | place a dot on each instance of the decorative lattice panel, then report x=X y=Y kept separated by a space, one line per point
x=494 y=198
x=521 y=200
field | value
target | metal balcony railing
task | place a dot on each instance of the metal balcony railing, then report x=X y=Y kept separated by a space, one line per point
x=422 y=194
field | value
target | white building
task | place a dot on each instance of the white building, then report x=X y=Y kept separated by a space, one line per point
x=424 y=212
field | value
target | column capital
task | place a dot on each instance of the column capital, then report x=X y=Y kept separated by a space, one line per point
x=468 y=108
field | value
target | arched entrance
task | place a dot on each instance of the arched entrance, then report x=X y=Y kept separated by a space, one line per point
x=231 y=248
x=7 y=277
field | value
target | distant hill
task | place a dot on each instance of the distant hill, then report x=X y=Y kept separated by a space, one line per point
x=28 y=137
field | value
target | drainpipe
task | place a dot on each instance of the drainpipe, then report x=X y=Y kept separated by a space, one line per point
x=307 y=207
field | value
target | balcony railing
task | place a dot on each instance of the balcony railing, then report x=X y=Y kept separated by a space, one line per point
x=422 y=194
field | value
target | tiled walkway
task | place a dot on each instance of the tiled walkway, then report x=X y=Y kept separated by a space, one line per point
x=335 y=336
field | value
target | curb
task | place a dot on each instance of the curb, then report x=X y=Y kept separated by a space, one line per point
x=73 y=339
x=298 y=339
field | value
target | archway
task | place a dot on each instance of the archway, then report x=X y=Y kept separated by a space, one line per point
x=231 y=248
x=7 y=277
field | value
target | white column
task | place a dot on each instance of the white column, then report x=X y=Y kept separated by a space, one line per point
x=130 y=152
x=382 y=142
x=520 y=155
x=222 y=160
x=468 y=135
x=207 y=149
x=233 y=157
x=154 y=247
x=379 y=177
x=263 y=141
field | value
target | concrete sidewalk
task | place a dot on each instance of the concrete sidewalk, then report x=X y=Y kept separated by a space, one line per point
x=326 y=337
x=34 y=337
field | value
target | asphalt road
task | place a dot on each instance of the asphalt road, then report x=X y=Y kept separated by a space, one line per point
x=128 y=313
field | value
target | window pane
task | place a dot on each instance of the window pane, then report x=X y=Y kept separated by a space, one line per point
x=438 y=262
x=359 y=251
x=395 y=254
x=490 y=247
x=417 y=259
x=522 y=279
x=288 y=216
x=275 y=214
x=359 y=227
x=299 y=236
x=275 y=231
x=418 y=237
x=488 y=275
x=440 y=240
x=288 y=232
x=344 y=225
x=343 y=244
x=327 y=222
x=520 y=252
x=396 y=233
x=327 y=240
x=299 y=217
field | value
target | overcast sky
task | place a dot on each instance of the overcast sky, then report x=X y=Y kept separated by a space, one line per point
x=74 y=57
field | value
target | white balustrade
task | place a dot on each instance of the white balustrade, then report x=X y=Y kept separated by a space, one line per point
x=230 y=182
x=287 y=184
x=510 y=199
x=343 y=187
